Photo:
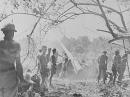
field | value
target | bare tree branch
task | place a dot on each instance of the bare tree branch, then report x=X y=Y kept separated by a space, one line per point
x=29 y=14
x=121 y=46
x=117 y=27
x=104 y=6
x=77 y=14
x=104 y=31
x=41 y=17
x=119 y=38
x=106 y=20
x=62 y=14
x=125 y=10
x=122 y=18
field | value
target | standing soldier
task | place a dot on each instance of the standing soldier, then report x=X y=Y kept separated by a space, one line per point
x=64 y=66
x=11 y=71
x=123 y=65
x=42 y=64
x=53 y=67
x=102 y=60
x=116 y=65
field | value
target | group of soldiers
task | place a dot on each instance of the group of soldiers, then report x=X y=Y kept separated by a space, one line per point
x=118 y=67
x=48 y=65
x=11 y=70
x=42 y=63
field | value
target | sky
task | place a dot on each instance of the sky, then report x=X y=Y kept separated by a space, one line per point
x=84 y=25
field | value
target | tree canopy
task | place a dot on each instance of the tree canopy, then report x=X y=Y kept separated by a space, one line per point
x=50 y=13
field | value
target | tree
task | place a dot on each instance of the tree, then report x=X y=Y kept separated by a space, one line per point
x=47 y=12
x=55 y=12
x=79 y=49
x=84 y=41
x=58 y=11
x=79 y=45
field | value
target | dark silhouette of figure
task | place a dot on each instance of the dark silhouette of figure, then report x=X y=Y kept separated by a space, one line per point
x=102 y=61
x=53 y=67
x=42 y=61
x=116 y=65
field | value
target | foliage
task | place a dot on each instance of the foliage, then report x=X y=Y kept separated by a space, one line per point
x=79 y=45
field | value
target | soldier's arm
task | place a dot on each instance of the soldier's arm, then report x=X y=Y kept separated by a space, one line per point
x=38 y=64
x=114 y=60
x=98 y=60
x=107 y=61
x=48 y=55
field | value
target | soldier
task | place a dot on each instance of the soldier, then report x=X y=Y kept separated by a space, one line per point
x=53 y=67
x=102 y=60
x=42 y=61
x=116 y=65
x=123 y=66
x=64 y=65
x=11 y=71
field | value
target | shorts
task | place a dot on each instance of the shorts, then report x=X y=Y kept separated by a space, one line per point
x=114 y=69
x=53 y=70
x=103 y=67
x=45 y=72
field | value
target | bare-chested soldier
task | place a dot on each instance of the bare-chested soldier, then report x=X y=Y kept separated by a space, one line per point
x=64 y=65
x=43 y=60
x=11 y=71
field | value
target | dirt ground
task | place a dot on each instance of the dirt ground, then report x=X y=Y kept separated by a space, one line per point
x=67 y=88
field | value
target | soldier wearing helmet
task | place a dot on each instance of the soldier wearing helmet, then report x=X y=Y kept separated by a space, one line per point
x=11 y=71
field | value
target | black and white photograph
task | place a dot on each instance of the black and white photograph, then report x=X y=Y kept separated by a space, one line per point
x=64 y=48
